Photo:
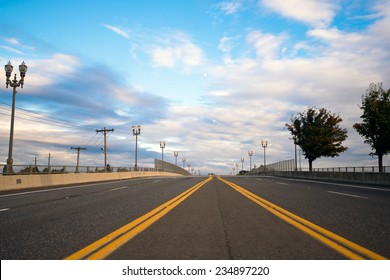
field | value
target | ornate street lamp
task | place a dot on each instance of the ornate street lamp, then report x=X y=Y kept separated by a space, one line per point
x=264 y=144
x=13 y=83
x=176 y=154
x=250 y=154
x=242 y=163
x=162 y=146
x=184 y=161
x=136 y=132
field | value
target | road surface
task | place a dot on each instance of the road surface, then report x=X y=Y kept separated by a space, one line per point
x=216 y=217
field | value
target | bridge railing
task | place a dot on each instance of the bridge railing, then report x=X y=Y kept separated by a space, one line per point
x=64 y=169
x=289 y=165
x=363 y=169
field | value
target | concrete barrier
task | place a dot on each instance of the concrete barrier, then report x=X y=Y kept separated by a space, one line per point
x=15 y=182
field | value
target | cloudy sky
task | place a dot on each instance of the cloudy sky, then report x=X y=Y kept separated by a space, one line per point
x=210 y=78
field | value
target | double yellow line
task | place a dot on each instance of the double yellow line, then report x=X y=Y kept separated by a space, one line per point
x=343 y=246
x=108 y=244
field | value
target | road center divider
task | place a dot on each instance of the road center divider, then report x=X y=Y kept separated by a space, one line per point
x=111 y=242
x=341 y=245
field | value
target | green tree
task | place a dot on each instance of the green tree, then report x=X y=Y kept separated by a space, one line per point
x=375 y=127
x=318 y=133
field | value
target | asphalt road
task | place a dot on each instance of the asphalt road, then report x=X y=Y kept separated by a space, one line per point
x=195 y=218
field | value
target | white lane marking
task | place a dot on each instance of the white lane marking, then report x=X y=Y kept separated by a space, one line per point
x=258 y=179
x=157 y=181
x=119 y=188
x=347 y=194
x=280 y=183
x=4 y=209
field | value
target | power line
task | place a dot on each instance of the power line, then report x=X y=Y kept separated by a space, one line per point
x=43 y=118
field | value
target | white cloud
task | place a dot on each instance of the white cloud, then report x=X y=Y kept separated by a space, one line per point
x=316 y=13
x=226 y=44
x=265 y=45
x=12 y=41
x=16 y=42
x=230 y=8
x=165 y=57
x=57 y=67
x=10 y=49
x=177 y=50
x=219 y=93
x=117 y=30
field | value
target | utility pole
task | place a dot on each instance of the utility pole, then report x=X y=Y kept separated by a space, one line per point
x=78 y=156
x=48 y=165
x=104 y=131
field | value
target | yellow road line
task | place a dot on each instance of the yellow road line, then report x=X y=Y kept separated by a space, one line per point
x=343 y=246
x=108 y=244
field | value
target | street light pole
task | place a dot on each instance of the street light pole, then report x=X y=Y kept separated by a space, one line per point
x=184 y=161
x=295 y=144
x=14 y=83
x=250 y=154
x=162 y=146
x=176 y=154
x=242 y=163
x=264 y=144
x=136 y=132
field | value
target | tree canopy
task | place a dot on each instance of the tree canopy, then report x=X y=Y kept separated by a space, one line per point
x=318 y=133
x=375 y=127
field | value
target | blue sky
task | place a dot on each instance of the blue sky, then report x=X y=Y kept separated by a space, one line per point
x=210 y=78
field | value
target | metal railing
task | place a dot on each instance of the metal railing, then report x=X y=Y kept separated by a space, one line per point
x=289 y=165
x=362 y=169
x=65 y=169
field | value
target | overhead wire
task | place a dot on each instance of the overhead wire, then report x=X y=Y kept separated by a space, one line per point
x=41 y=118
x=49 y=120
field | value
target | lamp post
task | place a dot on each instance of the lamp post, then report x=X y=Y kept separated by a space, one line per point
x=176 y=154
x=300 y=166
x=184 y=161
x=250 y=154
x=13 y=83
x=295 y=144
x=242 y=163
x=136 y=132
x=264 y=144
x=162 y=146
